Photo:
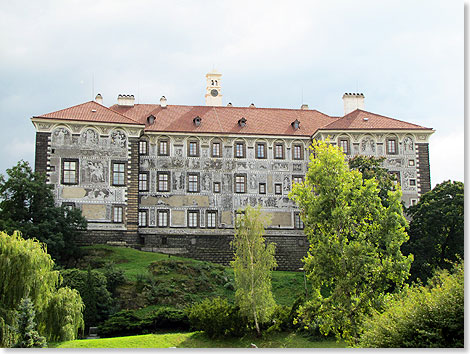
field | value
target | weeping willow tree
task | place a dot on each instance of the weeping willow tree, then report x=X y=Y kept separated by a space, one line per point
x=252 y=266
x=26 y=270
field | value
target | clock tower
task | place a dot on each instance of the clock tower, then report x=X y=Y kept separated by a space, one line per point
x=213 y=89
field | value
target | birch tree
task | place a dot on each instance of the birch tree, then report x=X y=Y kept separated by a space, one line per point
x=254 y=261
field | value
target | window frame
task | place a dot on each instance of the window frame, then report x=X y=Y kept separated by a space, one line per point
x=411 y=163
x=197 y=213
x=262 y=184
x=276 y=186
x=241 y=183
x=168 y=181
x=218 y=188
x=264 y=149
x=190 y=142
x=346 y=151
x=121 y=214
x=198 y=184
x=301 y=152
x=146 y=213
x=143 y=143
x=414 y=182
x=298 y=223
x=166 y=143
x=211 y=212
x=243 y=150
x=76 y=171
x=147 y=174
x=166 y=219
x=113 y=163
x=219 y=149
x=276 y=145
x=294 y=177
x=395 y=141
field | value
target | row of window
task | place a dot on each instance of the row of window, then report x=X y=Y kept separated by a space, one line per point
x=392 y=146
x=216 y=149
x=193 y=185
x=193 y=219
x=70 y=172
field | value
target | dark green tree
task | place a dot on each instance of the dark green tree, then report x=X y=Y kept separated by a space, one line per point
x=27 y=205
x=371 y=167
x=436 y=230
x=28 y=336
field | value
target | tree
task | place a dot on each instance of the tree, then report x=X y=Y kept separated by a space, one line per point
x=25 y=327
x=371 y=167
x=429 y=316
x=252 y=266
x=26 y=270
x=354 y=258
x=436 y=230
x=27 y=205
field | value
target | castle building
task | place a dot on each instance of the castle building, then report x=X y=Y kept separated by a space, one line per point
x=170 y=178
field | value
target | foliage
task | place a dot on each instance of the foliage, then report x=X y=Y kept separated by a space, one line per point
x=114 y=278
x=371 y=167
x=436 y=230
x=27 y=205
x=421 y=317
x=91 y=285
x=281 y=320
x=26 y=270
x=253 y=264
x=217 y=318
x=354 y=258
x=129 y=322
x=25 y=327
x=64 y=317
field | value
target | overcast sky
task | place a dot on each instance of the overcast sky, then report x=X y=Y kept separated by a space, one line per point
x=407 y=57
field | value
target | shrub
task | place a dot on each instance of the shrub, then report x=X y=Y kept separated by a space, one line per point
x=421 y=317
x=280 y=319
x=217 y=318
x=128 y=322
x=114 y=278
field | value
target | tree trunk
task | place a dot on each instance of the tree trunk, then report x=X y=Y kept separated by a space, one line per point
x=256 y=324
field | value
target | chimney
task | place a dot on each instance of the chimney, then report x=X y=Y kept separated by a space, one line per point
x=126 y=100
x=304 y=107
x=99 y=98
x=163 y=102
x=353 y=101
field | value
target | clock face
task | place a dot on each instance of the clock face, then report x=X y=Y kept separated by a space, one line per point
x=214 y=93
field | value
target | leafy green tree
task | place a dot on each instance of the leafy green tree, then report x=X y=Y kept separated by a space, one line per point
x=429 y=316
x=252 y=267
x=28 y=336
x=26 y=270
x=436 y=230
x=354 y=258
x=371 y=167
x=27 y=205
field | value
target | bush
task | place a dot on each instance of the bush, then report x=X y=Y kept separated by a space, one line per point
x=128 y=322
x=421 y=317
x=280 y=319
x=217 y=318
x=114 y=278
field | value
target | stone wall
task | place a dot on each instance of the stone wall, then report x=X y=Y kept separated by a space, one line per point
x=423 y=167
x=42 y=144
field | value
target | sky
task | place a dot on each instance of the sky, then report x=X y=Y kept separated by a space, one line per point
x=407 y=57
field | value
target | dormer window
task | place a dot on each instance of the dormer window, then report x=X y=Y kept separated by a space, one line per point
x=296 y=124
x=242 y=122
x=197 y=121
x=150 y=119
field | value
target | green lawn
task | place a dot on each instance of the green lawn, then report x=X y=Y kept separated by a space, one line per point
x=199 y=340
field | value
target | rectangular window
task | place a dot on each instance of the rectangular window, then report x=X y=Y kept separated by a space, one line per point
x=260 y=150
x=412 y=182
x=212 y=219
x=240 y=149
x=391 y=147
x=279 y=151
x=193 y=149
x=411 y=162
x=193 y=182
x=262 y=188
x=117 y=214
x=70 y=171
x=240 y=184
x=118 y=173
x=162 y=218
x=216 y=187
x=344 y=144
x=298 y=223
x=163 y=181
x=143 y=181
x=414 y=201
x=163 y=149
x=239 y=216
x=297 y=152
x=143 y=217
x=193 y=218
x=395 y=176
x=216 y=150
x=68 y=206
x=143 y=147
x=297 y=179
x=278 y=188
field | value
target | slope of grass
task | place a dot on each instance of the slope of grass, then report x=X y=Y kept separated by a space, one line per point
x=199 y=340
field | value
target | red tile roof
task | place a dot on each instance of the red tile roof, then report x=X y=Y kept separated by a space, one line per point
x=224 y=120
x=90 y=112
x=360 y=119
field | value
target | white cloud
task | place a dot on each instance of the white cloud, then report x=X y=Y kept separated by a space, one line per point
x=447 y=157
